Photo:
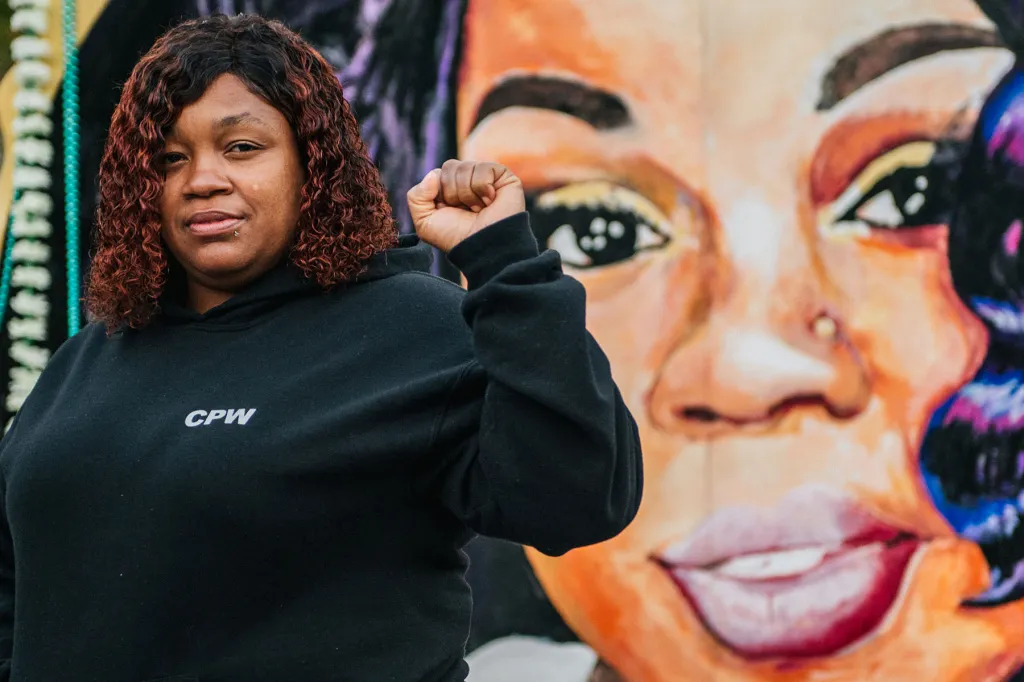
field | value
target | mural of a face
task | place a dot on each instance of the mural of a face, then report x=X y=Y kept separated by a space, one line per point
x=748 y=192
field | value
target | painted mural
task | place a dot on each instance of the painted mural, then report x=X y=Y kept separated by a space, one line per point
x=799 y=224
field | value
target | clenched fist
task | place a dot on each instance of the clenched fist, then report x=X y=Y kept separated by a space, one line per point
x=462 y=198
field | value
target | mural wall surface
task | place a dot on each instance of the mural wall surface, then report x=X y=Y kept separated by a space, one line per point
x=816 y=327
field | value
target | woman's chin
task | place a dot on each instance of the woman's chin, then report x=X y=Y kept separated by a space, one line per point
x=227 y=266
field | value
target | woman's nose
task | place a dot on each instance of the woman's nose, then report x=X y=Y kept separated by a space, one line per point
x=205 y=178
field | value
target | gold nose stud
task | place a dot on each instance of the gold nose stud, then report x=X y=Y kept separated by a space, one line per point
x=824 y=327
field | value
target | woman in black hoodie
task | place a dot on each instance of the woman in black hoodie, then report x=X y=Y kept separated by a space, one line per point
x=263 y=460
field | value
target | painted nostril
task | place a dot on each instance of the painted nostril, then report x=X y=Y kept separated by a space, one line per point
x=700 y=414
x=708 y=415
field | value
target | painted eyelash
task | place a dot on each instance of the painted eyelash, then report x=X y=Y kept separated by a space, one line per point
x=601 y=195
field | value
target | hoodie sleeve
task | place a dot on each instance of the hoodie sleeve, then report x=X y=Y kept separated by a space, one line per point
x=543 y=450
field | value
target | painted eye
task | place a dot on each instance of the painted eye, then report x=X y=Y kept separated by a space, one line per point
x=898 y=200
x=594 y=224
x=881 y=211
x=899 y=190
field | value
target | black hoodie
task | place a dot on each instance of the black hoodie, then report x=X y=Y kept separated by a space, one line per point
x=280 y=489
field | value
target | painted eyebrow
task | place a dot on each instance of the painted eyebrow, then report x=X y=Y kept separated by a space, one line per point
x=596 y=107
x=890 y=49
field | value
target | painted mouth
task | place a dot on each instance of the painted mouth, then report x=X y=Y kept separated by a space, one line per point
x=808 y=578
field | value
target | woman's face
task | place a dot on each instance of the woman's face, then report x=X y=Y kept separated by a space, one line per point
x=750 y=193
x=232 y=190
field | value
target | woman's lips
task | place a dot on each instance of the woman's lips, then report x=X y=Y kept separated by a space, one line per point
x=808 y=578
x=207 y=228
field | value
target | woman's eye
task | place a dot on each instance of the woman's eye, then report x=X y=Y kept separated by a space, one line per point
x=171 y=158
x=902 y=189
x=242 y=147
x=593 y=224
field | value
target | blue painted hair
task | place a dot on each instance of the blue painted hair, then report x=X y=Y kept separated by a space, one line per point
x=973 y=453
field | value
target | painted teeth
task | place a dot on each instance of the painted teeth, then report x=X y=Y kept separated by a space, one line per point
x=770 y=565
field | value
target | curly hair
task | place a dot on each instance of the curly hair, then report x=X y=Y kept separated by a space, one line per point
x=345 y=213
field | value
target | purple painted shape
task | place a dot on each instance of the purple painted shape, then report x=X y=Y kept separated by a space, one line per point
x=1008 y=134
x=372 y=10
x=1011 y=240
x=989 y=407
x=433 y=132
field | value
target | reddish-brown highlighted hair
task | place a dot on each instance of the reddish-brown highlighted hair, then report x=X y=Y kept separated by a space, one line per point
x=345 y=214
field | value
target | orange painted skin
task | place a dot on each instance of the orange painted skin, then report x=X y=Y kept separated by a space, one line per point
x=711 y=331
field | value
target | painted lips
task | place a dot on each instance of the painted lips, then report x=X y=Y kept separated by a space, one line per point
x=808 y=578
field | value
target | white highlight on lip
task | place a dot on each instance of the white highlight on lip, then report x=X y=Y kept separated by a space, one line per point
x=768 y=565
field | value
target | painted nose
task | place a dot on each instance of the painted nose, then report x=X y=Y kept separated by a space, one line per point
x=738 y=375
